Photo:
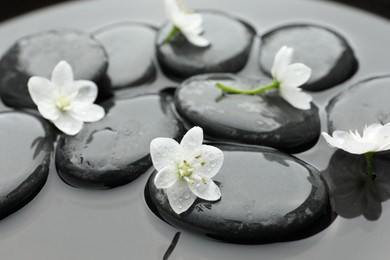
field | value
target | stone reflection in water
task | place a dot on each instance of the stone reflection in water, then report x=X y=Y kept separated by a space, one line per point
x=353 y=192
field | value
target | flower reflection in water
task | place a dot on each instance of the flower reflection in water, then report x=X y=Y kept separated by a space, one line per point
x=354 y=193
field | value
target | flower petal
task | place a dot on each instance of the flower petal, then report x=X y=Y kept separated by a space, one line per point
x=192 y=141
x=87 y=113
x=197 y=40
x=49 y=111
x=337 y=140
x=372 y=130
x=85 y=91
x=296 y=75
x=67 y=124
x=191 y=22
x=384 y=138
x=296 y=97
x=354 y=147
x=164 y=152
x=341 y=136
x=180 y=197
x=166 y=177
x=205 y=188
x=62 y=74
x=41 y=90
x=375 y=138
x=172 y=10
x=212 y=157
x=282 y=60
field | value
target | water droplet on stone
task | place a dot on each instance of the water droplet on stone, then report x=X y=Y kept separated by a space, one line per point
x=237 y=124
x=266 y=196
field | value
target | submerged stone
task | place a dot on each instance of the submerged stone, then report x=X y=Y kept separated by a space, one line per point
x=263 y=119
x=25 y=152
x=38 y=54
x=114 y=151
x=326 y=52
x=369 y=99
x=130 y=49
x=267 y=196
x=231 y=42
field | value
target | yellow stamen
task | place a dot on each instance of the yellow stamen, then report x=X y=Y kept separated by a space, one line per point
x=62 y=103
x=188 y=180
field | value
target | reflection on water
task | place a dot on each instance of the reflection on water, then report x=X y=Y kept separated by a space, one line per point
x=172 y=246
x=353 y=192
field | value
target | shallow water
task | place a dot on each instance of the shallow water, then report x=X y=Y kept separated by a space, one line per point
x=68 y=223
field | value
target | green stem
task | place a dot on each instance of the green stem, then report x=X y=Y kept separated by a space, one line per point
x=273 y=85
x=171 y=34
x=369 y=160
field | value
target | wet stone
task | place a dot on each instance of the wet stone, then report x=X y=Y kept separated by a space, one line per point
x=369 y=99
x=130 y=49
x=37 y=55
x=25 y=152
x=231 y=42
x=267 y=196
x=114 y=151
x=264 y=119
x=326 y=52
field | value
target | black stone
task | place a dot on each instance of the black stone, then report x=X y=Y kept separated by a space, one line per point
x=264 y=119
x=369 y=99
x=37 y=55
x=25 y=152
x=326 y=52
x=267 y=196
x=231 y=42
x=4 y=107
x=115 y=150
x=354 y=193
x=130 y=49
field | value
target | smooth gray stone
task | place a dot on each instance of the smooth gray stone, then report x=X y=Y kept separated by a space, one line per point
x=267 y=196
x=231 y=41
x=130 y=49
x=114 y=151
x=362 y=104
x=264 y=119
x=25 y=152
x=38 y=54
x=326 y=52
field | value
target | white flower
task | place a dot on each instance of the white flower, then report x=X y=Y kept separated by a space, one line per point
x=185 y=170
x=189 y=23
x=290 y=78
x=65 y=101
x=376 y=138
